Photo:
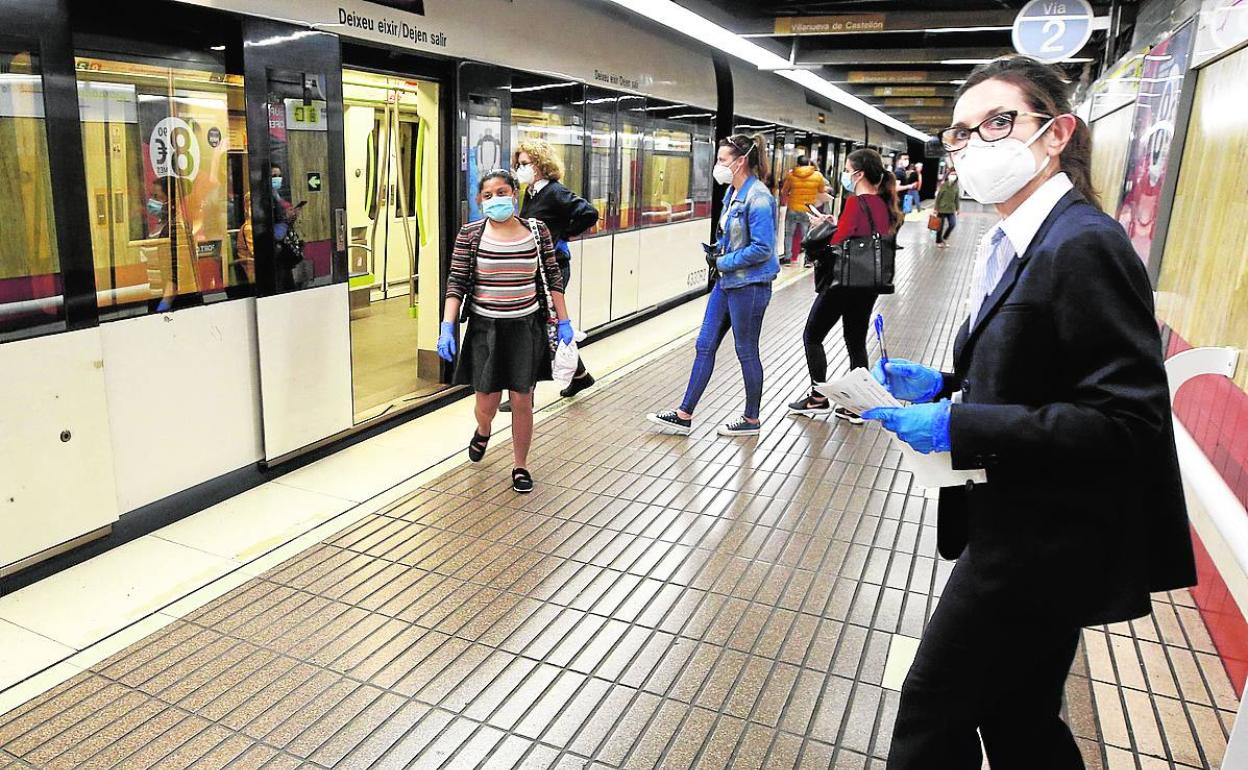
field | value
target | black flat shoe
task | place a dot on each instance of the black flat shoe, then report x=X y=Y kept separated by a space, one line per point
x=521 y=481
x=577 y=385
x=476 y=447
x=505 y=406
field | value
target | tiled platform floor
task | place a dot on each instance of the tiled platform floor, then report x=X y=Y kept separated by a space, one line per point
x=657 y=602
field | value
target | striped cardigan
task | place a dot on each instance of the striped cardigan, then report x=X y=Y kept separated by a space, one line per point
x=462 y=277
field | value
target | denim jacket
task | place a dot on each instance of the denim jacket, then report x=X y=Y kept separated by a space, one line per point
x=748 y=237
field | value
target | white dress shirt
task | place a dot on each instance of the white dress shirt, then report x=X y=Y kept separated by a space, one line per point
x=1020 y=229
x=537 y=186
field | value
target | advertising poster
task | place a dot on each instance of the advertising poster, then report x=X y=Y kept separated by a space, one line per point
x=1148 y=157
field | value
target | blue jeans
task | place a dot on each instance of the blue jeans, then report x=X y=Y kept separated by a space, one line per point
x=741 y=310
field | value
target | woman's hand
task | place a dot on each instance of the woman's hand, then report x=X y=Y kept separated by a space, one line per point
x=566 y=332
x=816 y=219
x=908 y=381
x=446 y=341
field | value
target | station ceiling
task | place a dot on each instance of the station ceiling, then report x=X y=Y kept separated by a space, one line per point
x=905 y=57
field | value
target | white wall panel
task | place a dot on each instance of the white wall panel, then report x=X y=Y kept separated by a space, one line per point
x=305 y=367
x=51 y=490
x=595 y=270
x=572 y=292
x=625 y=262
x=184 y=398
x=672 y=261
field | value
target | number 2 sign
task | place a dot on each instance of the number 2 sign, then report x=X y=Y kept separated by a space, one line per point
x=1052 y=30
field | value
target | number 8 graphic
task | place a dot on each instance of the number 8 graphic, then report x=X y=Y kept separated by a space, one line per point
x=183 y=158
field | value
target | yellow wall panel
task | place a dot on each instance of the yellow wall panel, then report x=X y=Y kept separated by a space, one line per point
x=1203 y=291
x=1111 y=136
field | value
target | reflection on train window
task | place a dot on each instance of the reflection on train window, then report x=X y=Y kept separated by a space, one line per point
x=551 y=112
x=669 y=162
x=165 y=153
x=630 y=137
x=600 y=114
x=30 y=273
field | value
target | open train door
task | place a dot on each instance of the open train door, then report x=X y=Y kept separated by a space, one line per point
x=298 y=209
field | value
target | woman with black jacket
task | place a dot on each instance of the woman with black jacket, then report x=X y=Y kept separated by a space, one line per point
x=564 y=213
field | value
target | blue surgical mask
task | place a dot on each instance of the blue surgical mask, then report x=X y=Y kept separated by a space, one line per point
x=499 y=209
x=847 y=181
x=277 y=184
x=155 y=207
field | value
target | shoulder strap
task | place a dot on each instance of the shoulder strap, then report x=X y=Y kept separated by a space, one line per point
x=864 y=205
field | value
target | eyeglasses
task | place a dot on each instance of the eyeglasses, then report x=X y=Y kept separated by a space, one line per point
x=991 y=129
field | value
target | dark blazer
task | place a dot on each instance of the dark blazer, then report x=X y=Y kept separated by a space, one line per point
x=563 y=211
x=1066 y=407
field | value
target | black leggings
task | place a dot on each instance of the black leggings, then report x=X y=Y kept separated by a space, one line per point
x=853 y=307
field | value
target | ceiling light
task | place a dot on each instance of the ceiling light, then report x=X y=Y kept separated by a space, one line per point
x=671 y=15
x=216 y=48
x=964 y=61
x=967 y=29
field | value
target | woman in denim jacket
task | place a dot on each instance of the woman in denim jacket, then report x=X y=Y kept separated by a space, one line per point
x=745 y=258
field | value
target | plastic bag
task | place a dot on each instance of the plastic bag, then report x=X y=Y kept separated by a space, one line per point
x=563 y=367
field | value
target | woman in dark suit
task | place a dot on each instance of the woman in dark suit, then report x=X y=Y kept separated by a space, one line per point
x=1059 y=395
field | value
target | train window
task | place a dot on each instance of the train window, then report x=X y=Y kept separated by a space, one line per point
x=600 y=117
x=167 y=190
x=30 y=274
x=551 y=112
x=676 y=178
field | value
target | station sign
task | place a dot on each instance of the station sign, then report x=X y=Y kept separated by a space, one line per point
x=1053 y=30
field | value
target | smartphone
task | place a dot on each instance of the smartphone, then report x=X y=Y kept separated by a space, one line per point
x=301 y=204
x=811 y=208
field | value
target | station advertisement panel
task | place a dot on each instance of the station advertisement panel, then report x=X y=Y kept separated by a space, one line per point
x=1148 y=157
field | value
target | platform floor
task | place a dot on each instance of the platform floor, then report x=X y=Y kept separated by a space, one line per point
x=659 y=601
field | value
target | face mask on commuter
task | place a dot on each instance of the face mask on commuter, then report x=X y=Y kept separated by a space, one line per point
x=722 y=173
x=525 y=174
x=992 y=172
x=155 y=207
x=847 y=180
x=277 y=184
x=499 y=209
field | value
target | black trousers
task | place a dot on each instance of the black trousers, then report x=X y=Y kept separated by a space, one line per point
x=565 y=267
x=853 y=308
x=992 y=667
x=947 y=223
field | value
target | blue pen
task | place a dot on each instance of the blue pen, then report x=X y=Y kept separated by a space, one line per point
x=879 y=336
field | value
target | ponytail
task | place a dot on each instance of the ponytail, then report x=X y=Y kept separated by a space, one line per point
x=1076 y=161
x=754 y=148
x=871 y=165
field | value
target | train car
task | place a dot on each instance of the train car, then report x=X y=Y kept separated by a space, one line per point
x=229 y=221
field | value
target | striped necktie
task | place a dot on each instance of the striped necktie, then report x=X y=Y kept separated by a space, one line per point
x=1000 y=251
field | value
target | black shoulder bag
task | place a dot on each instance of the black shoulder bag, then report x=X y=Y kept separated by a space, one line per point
x=865 y=262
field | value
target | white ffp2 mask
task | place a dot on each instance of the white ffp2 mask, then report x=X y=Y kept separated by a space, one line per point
x=722 y=174
x=992 y=172
x=525 y=174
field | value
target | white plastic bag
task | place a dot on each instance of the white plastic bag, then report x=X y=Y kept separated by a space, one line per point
x=564 y=365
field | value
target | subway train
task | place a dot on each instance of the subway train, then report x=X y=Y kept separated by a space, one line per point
x=227 y=223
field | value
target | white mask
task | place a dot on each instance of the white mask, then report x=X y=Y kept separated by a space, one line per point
x=525 y=174
x=722 y=173
x=992 y=172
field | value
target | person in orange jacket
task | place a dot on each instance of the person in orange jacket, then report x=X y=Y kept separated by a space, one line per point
x=801 y=187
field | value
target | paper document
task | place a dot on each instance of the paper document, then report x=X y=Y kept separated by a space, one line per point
x=858 y=391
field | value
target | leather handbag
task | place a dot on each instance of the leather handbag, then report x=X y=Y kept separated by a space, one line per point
x=866 y=262
x=819 y=250
x=933 y=222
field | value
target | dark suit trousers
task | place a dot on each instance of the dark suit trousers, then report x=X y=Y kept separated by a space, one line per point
x=999 y=669
x=565 y=267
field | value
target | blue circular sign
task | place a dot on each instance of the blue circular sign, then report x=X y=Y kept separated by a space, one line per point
x=1053 y=30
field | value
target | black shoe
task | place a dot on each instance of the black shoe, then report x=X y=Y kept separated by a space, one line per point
x=847 y=416
x=672 y=422
x=811 y=404
x=505 y=407
x=476 y=447
x=521 y=481
x=577 y=385
x=739 y=427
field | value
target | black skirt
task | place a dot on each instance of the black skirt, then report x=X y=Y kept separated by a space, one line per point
x=503 y=354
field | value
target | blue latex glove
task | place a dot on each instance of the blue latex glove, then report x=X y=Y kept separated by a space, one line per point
x=923 y=426
x=907 y=380
x=446 y=341
x=566 y=333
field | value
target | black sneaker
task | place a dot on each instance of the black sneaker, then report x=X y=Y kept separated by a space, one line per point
x=671 y=421
x=811 y=404
x=505 y=407
x=577 y=385
x=847 y=415
x=521 y=480
x=739 y=427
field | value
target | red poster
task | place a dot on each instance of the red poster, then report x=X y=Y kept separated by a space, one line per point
x=1156 y=108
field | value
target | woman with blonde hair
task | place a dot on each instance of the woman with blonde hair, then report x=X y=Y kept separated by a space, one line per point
x=564 y=213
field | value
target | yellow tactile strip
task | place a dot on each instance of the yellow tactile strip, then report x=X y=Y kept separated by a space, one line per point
x=689 y=602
